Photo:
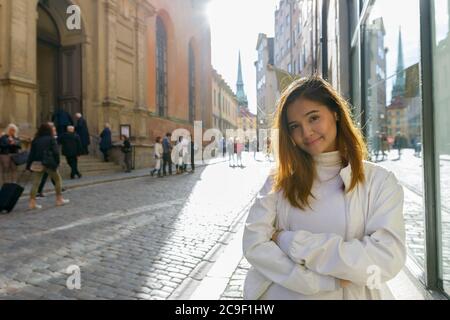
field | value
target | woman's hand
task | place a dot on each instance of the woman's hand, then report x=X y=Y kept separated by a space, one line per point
x=344 y=283
x=275 y=235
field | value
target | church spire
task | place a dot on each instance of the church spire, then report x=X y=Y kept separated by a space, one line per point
x=400 y=82
x=240 y=92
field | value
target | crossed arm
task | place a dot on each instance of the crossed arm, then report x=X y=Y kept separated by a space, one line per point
x=310 y=263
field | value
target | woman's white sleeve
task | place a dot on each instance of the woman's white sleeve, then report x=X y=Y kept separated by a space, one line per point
x=267 y=258
x=381 y=251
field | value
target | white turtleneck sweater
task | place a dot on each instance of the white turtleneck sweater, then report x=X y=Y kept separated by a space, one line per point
x=326 y=216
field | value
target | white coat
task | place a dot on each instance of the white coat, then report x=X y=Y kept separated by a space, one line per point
x=375 y=241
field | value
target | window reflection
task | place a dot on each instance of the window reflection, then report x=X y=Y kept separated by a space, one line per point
x=393 y=106
x=441 y=62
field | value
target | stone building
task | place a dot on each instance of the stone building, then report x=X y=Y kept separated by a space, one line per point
x=142 y=63
x=225 y=104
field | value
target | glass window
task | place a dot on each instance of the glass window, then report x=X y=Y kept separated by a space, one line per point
x=441 y=62
x=161 y=67
x=191 y=84
x=394 y=107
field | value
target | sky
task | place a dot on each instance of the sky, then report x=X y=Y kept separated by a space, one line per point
x=235 y=25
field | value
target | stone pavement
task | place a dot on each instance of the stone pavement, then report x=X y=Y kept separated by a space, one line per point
x=132 y=239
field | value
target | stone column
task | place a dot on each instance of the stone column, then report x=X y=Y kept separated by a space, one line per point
x=110 y=52
x=18 y=64
x=143 y=11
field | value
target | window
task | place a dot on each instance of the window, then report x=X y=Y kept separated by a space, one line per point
x=441 y=94
x=393 y=140
x=192 y=94
x=161 y=68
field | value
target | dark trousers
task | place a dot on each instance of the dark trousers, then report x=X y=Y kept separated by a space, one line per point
x=85 y=150
x=167 y=160
x=192 y=164
x=127 y=160
x=105 y=154
x=73 y=163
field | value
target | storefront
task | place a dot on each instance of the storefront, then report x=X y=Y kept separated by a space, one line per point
x=400 y=61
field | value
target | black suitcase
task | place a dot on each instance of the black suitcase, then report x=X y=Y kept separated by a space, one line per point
x=9 y=196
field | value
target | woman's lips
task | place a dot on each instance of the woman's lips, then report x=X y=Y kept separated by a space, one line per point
x=313 y=142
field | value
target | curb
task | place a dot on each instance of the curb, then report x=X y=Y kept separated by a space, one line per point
x=107 y=180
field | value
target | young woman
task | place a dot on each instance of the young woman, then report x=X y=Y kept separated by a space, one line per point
x=327 y=224
x=44 y=147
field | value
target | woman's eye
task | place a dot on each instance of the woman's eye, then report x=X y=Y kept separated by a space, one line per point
x=293 y=127
x=314 y=118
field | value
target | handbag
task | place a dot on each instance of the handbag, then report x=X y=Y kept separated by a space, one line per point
x=20 y=158
x=37 y=166
x=48 y=160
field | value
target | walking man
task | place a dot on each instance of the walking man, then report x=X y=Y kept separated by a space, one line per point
x=71 y=149
x=167 y=154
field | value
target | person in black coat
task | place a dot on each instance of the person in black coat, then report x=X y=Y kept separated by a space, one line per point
x=44 y=149
x=62 y=120
x=106 y=141
x=71 y=149
x=9 y=144
x=127 y=152
x=82 y=130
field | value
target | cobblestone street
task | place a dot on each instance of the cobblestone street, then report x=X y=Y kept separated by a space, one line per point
x=133 y=239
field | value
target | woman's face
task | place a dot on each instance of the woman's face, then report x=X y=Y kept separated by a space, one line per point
x=12 y=132
x=312 y=126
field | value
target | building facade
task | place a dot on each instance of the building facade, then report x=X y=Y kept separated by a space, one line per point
x=142 y=63
x=224 y=106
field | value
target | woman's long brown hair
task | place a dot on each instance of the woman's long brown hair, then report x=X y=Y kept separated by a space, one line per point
x=296 y=168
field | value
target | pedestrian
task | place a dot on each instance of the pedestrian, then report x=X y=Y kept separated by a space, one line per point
x=255 y=147
x=399 y=143
x=106 y=141
x=268 y=149
x=44 y=158
x=224 y=147
x=235 y=151
x=325 y=218
x=127 y=152
x=62 y=120
x=167 y=154
x=158 y=153
x=230 y=150
x=71 y=149
x=40 y=193
x=384 y=146
x=82 y=130
x=9 y=145
x=186 y=151
x=192 y=153
x=180 y=155
x=239 y=149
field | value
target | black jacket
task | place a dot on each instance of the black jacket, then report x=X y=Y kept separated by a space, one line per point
x=62 y=119
x=106 y=140
x=126 y=147
x=6 y=148
x=71 y=144
x=39 y=145
x=83 y=131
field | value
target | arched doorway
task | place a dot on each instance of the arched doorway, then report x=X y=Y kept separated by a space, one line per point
x=58 y=64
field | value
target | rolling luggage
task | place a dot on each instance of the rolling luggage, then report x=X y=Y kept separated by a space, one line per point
x=10 y=193
x=9 y=196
